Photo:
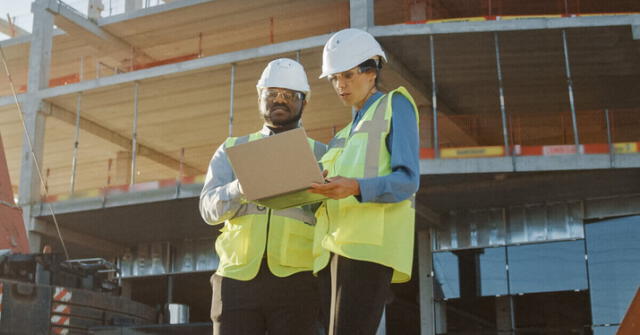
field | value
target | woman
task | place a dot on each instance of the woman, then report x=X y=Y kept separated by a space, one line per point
x=365 y=230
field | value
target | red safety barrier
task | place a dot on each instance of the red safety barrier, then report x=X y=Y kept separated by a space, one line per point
x=427 y=153
x=57 y=81
x=515 y=17
x=597 y=148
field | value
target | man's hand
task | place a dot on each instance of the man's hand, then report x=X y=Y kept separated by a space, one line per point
x=337 y=187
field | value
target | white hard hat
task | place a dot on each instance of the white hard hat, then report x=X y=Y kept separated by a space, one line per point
x=284 y=73
x=348 y=48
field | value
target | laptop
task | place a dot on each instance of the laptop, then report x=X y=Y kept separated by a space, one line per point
x=276 y=171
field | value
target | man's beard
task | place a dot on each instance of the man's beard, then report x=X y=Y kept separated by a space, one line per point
x=295 y=119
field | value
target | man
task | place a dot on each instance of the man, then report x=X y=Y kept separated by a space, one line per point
x=264 y=281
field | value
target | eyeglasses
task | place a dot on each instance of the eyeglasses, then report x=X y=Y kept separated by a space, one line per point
x=292 y=96
x=346 y=76
x=364 y=67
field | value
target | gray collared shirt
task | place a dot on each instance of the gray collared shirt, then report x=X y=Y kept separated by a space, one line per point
x=221 y=198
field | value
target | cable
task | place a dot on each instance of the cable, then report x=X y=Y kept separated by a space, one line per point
x=33 y=155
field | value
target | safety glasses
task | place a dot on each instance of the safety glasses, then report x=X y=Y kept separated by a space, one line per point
x=292 y=96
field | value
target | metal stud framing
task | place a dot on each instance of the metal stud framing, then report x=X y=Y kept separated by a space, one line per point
x=134 y=133
x=567 y=67
x=434 y=97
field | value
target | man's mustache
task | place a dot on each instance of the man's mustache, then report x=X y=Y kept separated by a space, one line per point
x=275 y=106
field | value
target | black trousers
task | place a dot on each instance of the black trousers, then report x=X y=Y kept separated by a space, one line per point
x=265 y=304
x=360 y=292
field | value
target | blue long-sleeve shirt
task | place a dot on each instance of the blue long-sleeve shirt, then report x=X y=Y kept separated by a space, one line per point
x=403 y=144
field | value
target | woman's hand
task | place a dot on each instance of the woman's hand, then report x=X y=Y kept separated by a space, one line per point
x=336 y=187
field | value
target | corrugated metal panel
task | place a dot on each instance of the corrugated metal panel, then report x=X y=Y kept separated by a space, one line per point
x=466 y=229
x=163 y=257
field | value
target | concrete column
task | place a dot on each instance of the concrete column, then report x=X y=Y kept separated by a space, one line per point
x=38 y=78
x=425 y=273
x=441 y=317
x=504 y=315
x=361 y=13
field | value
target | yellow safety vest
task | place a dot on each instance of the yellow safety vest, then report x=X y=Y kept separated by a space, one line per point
x=243 y=241
x=376 y=232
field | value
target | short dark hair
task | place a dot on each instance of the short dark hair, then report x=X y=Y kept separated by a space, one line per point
x=369 y=65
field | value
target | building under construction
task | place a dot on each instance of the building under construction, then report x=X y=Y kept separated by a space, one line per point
x=528 y=214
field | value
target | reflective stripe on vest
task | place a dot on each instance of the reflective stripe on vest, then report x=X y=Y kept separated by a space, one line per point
x=375 y=128
x=295 y=213
x=375 y=232
x=244 y=240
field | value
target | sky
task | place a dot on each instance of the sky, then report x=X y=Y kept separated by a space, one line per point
x=14 y=8
x=20 y=9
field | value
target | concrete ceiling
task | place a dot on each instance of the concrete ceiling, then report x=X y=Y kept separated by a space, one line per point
x=190 y=111
x=604 y=67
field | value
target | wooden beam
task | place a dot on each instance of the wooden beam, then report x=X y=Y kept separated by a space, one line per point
x=400 y=75
x=122 y=141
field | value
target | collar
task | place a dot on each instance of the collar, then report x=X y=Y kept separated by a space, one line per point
x=266 y=131
x=373 y=98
